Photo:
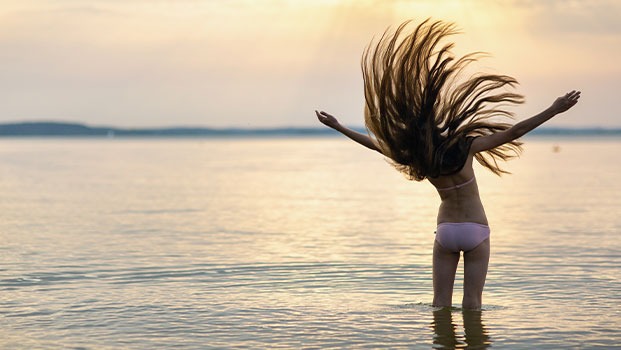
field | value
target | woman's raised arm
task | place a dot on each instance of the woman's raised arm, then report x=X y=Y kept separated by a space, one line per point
x=561 y=105
x=360 y=138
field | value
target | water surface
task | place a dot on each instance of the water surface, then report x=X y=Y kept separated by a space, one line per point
x=295 y=243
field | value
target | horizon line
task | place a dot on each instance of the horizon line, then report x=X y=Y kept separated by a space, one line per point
x=252 y=128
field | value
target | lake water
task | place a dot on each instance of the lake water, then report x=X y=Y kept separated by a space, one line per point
x=295 y=243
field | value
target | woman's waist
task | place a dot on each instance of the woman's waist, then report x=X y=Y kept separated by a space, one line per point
x=473 y=213
x=462 y=204
x=462 y=224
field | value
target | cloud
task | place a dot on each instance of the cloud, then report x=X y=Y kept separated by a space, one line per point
x=143 y=62
x=562 y=17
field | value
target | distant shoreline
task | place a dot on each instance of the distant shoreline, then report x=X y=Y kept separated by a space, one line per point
x=60 y=129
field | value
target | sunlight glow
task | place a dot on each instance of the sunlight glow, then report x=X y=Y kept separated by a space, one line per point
x=158 y=59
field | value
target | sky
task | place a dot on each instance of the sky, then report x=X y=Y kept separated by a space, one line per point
x=271 y=63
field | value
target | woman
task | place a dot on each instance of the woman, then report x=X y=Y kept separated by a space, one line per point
x=432 y=126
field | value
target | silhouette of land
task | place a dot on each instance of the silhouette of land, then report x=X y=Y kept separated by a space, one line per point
x=76 y=129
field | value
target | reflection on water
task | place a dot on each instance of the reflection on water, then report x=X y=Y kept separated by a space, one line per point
x=446 y=335
x=294 y=243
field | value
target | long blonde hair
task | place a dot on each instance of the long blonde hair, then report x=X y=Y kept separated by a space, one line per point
x=425 y=119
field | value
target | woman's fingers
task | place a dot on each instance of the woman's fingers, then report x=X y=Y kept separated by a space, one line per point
x=324 y=118
x=566 y=101
x=572 y=97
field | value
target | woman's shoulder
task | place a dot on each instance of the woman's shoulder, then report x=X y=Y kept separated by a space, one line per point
x=455 y=158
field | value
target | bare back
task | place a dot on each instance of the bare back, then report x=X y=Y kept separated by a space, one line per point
x=460 y=203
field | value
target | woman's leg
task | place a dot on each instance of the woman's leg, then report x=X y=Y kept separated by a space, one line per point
x=475 y=270
x=444 y=267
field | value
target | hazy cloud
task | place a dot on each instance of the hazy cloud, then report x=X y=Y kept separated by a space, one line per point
x=594 y=17
x=155 y=62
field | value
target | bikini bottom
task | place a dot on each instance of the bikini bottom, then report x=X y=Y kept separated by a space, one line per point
x=458 y=236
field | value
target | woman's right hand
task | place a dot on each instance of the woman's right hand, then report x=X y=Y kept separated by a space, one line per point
x=564 y=103
x=327 y=119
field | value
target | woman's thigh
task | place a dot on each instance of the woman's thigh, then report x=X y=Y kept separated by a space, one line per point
x=476 y=262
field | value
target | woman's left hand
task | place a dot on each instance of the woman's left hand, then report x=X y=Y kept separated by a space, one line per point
x=564 y=103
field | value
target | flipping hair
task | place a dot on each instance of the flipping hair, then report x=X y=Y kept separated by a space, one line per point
x=423 y=118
